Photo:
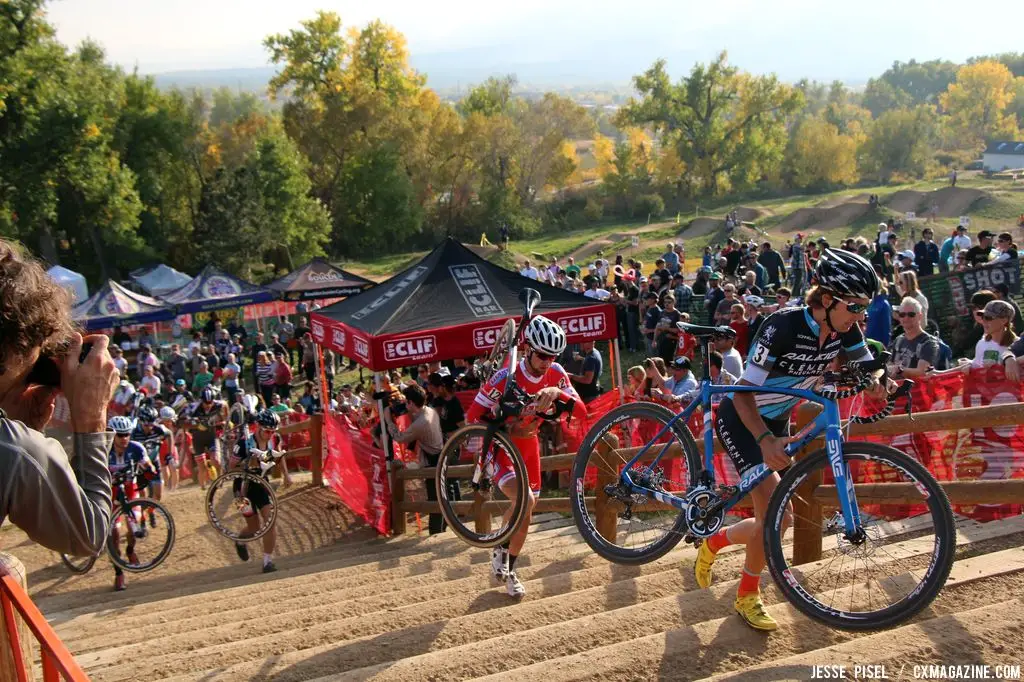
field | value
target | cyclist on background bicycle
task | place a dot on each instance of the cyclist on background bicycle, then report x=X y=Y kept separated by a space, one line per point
x=793 y=349
x=169 y=456
x=152 y=437
x=207 y=416
x=264 y=439
x=124 y=454
x=545 y=381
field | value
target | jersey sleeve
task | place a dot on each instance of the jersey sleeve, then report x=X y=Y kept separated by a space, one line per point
x=853 y=343
x=770 y=342
x=488 y=396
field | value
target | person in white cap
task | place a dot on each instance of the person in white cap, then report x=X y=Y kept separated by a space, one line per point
x=906 y=261
x=753 y=305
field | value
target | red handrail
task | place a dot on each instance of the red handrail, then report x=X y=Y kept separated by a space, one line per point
x=57 y=660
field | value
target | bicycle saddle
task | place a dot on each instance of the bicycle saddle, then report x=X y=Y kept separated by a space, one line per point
x=702 y=332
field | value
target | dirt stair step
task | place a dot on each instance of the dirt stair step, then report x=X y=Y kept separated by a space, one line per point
x=721 y=644
x=529 y=643
x=225 y=620
x=197 y=594
x=979 y=636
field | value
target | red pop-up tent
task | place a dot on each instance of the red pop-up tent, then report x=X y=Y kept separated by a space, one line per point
x=449 y=305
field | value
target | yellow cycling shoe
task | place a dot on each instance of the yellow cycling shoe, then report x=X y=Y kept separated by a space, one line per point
x=751 y=609
x=702 y=566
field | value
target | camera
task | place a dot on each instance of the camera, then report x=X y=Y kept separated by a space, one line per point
x=46 y=371
x=398 y=408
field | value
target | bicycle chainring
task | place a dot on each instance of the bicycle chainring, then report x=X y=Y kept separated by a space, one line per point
x=704 y=515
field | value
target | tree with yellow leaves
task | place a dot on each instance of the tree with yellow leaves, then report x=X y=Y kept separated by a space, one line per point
x=977 y=104
x=820 y=156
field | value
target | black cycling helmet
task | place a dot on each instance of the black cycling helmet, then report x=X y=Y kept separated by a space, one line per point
x=207 y=395
x=147 y=414
x=846 y=274
x=268 y=419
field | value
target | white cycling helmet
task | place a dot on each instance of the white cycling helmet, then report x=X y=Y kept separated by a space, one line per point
x=167 y=412
x=751 y=299
x=545 y=336
x=121 y=424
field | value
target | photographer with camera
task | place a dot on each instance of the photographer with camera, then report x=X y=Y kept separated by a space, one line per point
x=425 y=430
x=61 y=503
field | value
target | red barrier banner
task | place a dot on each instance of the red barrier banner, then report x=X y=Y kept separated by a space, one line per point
x=989 y=452
x=356 y=470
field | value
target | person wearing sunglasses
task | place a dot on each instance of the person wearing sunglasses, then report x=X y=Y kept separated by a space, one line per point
x=265 y=438
x=915 y=352
x=793 y=349
x=545 y=381
x=125 y=452
x=994 y=346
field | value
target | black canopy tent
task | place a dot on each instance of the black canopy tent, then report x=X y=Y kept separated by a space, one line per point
x=318 y=279
x=448 y=305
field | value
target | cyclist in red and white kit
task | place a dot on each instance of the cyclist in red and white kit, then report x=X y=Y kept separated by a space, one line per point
x=545 y=381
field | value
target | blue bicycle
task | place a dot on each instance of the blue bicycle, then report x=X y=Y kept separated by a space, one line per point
x=644 y=460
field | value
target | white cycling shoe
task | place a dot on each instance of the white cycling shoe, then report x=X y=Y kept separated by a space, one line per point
x=499 y=564
x=513 y=586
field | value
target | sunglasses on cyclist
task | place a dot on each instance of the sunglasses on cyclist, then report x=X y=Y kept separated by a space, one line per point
x=907 y=314
x=544 y=356
x=122 y=435
x=854 y=308
x=989 y=317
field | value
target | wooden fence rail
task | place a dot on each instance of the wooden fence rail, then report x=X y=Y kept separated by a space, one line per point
x=813 y=502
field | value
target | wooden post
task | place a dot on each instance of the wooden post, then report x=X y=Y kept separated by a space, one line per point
x=397 y=498
x=807 y=516
x=607 y=519
x=26 y=640
x=316 y=431
x=481 y=516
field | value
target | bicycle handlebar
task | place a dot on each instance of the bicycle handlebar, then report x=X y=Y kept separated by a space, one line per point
x=859 y=376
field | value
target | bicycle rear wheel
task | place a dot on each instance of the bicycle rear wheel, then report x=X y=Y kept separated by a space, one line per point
x=78 y=564
x=498 y=356
x=141 y=536
x=241 y=506
x=483 y=516
x=645 y=528
x=896 y=564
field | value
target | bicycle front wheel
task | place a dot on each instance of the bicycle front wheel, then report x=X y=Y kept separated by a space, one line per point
x=645 y=529
x=480 y=512
x=78 y=564
x=141 y=535
x=241 y=506
x=896 y=562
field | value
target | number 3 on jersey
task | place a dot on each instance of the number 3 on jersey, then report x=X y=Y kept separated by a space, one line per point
x=760 y=354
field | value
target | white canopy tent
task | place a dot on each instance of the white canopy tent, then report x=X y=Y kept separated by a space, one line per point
x=69 y=279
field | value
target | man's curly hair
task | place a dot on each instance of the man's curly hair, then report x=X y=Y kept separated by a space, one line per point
x=35 y=311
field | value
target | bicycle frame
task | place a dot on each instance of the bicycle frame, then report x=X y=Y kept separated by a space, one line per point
x=827 y=422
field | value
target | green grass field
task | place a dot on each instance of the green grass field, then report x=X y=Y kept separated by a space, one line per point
x=998 y=212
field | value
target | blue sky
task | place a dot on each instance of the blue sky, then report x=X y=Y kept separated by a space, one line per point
x=819 y=39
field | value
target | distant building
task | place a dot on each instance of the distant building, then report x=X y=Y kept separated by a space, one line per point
x=1003 y=155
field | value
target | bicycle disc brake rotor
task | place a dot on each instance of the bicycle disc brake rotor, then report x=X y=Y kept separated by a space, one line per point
x=863 y=546
x=703 y=522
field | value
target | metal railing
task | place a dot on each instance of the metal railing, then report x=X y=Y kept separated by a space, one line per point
x=57 y=662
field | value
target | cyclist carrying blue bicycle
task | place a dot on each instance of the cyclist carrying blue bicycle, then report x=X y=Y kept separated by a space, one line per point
x=793 y=349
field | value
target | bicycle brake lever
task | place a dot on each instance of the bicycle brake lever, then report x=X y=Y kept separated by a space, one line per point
x=905 y=390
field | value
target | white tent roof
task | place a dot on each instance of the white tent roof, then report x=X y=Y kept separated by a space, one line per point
x=70 y=280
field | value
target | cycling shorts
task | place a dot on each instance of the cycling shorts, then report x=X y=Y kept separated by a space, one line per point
x=529 y=448
x=738 y=442
x=204 y=448
x=257 y=494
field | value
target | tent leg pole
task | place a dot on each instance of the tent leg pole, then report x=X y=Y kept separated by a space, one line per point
x=618 y=370
x=397 y=517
